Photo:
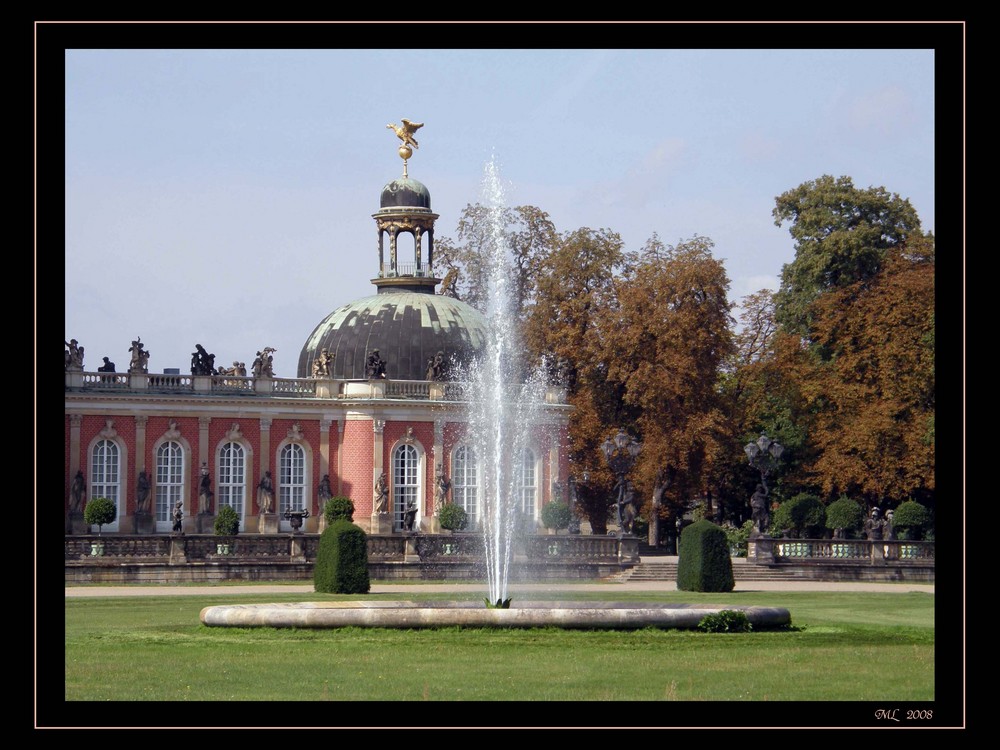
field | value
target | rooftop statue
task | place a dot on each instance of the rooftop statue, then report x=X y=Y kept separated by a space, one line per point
x=406 y=132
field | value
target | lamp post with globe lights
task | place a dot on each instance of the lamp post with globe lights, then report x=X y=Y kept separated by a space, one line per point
x=621 y=452
x=763 y=454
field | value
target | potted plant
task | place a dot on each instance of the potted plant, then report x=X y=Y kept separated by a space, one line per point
x=227 y=523
x=99 y=511
x=453 y=517
x=555 y=515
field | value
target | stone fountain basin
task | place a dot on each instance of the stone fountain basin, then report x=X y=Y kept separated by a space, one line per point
x=527 y=614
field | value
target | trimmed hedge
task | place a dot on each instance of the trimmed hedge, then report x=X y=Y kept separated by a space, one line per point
x=704 y=563
x=342 y=560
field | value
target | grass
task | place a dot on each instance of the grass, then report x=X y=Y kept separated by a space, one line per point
x=841 y=647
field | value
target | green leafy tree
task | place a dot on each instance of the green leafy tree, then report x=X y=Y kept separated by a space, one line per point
x=100 y=511
x=910 y=520
x=528 y=234
x=555 y=515
x=842 y=234
x=846 y=515
x=803 y=515
x=761 y=392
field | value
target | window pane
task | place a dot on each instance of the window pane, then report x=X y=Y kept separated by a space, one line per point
x=528 y=485
x=232 y=477
x=405 y=482
x=169 y=480
x=105 y=479
x=465 y=482
x=291 y=478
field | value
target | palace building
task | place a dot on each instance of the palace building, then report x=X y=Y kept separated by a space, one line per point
x=373 y=415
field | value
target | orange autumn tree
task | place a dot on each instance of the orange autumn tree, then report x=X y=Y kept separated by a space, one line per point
x=870 y=383
x=575 y=282
x=664 y=342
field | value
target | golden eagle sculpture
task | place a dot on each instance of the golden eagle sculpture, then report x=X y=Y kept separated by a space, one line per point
x=405 y=133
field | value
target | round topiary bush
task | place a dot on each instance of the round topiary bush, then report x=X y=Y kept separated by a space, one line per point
x=555 y=515
x=910 y=520
x=100 y=511
x=845 y=514
x=337 y=508
x=227 y=522
x=703 y=559
x=803 y=515
x=342 y=560
x=453 y=517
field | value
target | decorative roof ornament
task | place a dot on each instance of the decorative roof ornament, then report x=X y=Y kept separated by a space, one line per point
x=405 y=134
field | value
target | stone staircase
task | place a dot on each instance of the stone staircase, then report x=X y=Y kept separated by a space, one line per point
x=655 y=565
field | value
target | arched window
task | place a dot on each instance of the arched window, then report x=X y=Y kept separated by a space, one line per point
x=105 y=476
x=169 y=481
x=231 y=489
x=465 y=482
x=405 y=482
x=528 y=484
x=291 y=479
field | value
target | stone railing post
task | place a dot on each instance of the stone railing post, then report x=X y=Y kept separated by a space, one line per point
x=178 y=550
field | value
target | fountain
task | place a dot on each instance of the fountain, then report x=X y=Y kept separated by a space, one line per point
x=503 y=406
x=502 y=402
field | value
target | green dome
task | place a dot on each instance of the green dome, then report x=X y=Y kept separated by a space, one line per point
x=405 y=193
x=407 y=328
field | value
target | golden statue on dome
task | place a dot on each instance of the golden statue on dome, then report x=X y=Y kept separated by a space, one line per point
x=405 y=134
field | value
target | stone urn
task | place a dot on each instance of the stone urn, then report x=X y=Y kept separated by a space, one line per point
x=295 y=518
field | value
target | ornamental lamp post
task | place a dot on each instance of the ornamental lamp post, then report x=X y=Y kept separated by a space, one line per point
x=621 y=452
x=763 y=455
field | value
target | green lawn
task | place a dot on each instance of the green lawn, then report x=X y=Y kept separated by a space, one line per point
x=841 y=647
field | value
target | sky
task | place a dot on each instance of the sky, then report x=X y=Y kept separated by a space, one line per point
x=224 y=197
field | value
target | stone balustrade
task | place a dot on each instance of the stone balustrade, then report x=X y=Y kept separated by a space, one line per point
x=232 y=385
x=381 y=548
x=767 y=550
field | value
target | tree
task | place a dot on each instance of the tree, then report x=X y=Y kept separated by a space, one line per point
x=872 y=394
x=761 y=390
x=842 y=235
x=555 y=515
x=100 y=511
x=527 y=233
x=575 y=282
x=664 y=342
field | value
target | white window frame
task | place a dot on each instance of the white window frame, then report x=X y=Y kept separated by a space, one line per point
x=105 y=476
x=231 y=485
x=169 y=482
